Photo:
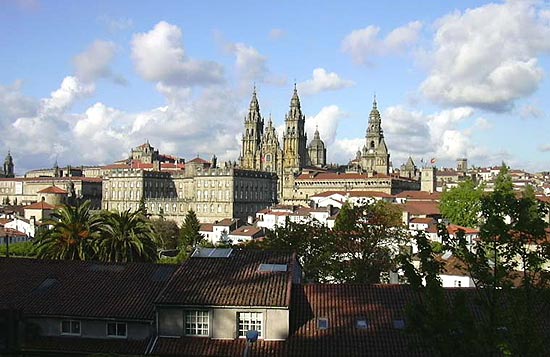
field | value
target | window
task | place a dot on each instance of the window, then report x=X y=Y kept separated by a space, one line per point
x=322 y=323
x=399 y=324
x=116 y=329
x=250 y=321
x=458 y=283
x=362 y=323
x=70 y=327
x=196 y=323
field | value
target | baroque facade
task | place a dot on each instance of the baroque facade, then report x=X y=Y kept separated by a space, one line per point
x=261 y=150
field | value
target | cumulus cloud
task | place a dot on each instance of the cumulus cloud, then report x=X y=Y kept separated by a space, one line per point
x=94 y=63
x=159 y=56
x=250 y=64
x=14 y=104
x=63 y=98
x=326 y=121
x=323 y=81
x=363 y=43
x=487 y=64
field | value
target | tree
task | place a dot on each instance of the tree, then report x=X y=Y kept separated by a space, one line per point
x=362 y=245
x=461 y=205
x=126 y=237
x=72 y=234
x=506 y=265
x=166 y=233
x=189 y=232
x=367 y=239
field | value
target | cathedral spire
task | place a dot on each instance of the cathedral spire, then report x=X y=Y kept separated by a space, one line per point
x=295 y=101
x=254 y=101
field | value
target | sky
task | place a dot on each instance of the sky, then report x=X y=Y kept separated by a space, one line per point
x=82 y=82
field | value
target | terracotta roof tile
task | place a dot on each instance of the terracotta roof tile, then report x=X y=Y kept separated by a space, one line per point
x=54 y=189
x=80 y=345
x=419 y=195
x=42 y=205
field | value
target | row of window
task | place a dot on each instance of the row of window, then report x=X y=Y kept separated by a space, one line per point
x=361 y=323
x=197 y=323
x=112 y=329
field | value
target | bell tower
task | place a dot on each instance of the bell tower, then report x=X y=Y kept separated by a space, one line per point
x=295 y=138
x=252 y=136
x=375 y=157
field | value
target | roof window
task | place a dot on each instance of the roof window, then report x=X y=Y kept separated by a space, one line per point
x=212 y=253
x=322 y=323
x=272 y=267
x=362 y=323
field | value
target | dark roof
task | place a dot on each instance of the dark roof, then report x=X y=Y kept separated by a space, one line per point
x=73 y=345
x=86 y=289
x=231 y=281
x=343 y=305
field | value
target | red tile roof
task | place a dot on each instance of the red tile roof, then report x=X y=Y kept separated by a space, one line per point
x=54 y=189
x=206 y=227
x=232 y=281
x=419 y=195
x=453 y=229
x=421 y=208
x=85 y=289
x=427 y=220
x=42 y=205
x=198 y=160
x=246 y=231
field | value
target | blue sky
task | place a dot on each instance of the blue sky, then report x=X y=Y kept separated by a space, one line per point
x=83 y=82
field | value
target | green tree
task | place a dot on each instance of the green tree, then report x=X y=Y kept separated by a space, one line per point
x=126 y=237
x=507 y=266
x=72 y=235
x=461 y=205
x=367 y=239
x=166 y=233
x=189 y=232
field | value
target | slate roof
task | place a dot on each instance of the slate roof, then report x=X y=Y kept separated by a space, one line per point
x=86 y=289
x=232 y=281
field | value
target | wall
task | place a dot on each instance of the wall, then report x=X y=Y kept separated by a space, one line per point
x=223 y=322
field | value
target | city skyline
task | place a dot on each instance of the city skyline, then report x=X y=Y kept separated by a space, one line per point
x=84 y=83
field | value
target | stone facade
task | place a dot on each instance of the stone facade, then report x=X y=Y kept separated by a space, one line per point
x=213 y=193
x=261 y=151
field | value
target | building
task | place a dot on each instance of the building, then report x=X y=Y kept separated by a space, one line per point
x=214 y=193
x=374 y=158
x=261 y=151
x=27 y=190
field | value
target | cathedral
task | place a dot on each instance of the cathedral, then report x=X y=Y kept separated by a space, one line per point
x=261 y=149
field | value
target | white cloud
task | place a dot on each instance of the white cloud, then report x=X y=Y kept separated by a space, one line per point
x=323 y=81
x=116 y=24
x=250 y=64
x=326 y=121
x=364 y=43
x=63 y=98
x=487 y=63
x=159 y=56
x=94 y=63
x=14 y=104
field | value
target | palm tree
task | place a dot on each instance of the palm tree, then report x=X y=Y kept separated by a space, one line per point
x=126 y=237
x=72 y=234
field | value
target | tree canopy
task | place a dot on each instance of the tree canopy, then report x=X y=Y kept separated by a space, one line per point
x=507 y=266
x=461 y=205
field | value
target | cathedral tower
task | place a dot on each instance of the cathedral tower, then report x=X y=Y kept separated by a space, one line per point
x=375 y=157
x=295 y=138
x=252 y=136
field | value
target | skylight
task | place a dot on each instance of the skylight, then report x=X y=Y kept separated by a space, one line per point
x=362 y=323
x=212 y=253
x=46 y=284
x=322 y=323
x=399 y=324
x=272 y=267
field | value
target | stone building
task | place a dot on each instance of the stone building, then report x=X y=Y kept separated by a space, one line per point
x=261 y=151
x=374 y=158
x=214 y=193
